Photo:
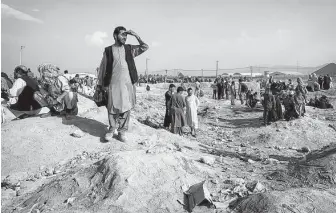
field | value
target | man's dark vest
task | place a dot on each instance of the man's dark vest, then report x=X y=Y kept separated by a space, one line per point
x=130 y=62
x=26 y=98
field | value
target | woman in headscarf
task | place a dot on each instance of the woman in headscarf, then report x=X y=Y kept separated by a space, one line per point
x=289 y=104
x=300 y=97
x=60 y=96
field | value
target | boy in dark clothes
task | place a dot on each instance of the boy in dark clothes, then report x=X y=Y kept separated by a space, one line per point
x=168 y=97
x=269 y=105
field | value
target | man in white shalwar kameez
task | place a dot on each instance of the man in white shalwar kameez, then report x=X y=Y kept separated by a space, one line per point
x=192 y=104
x=118 y=75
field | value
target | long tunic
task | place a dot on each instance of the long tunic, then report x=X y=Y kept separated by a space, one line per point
x=167 y=119
x=177 y=112
x=192 y=104
x=121 y=91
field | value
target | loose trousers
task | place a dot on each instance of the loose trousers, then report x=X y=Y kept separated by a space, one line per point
x=122 y=119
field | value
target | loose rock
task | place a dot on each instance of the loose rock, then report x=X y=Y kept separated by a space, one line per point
x=250 y=161
x=78 y=133
x=207 y=160
x=305 y=149
x=272 y=161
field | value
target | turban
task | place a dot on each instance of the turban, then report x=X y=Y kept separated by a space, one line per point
x=21 y=68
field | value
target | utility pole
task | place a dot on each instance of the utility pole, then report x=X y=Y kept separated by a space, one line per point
x=216 y=69
x=251 y=71
x=202 y=75
x=147 y=68
x=297 y=66
x=21 y=48
x=166 y=76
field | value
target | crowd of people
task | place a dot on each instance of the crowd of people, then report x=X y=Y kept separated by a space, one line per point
x=294 y=100
x=85 y=85
x=56 y=93
x=319 y=83
x=225 y=88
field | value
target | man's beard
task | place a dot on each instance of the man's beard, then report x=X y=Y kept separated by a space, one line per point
x=122 y=41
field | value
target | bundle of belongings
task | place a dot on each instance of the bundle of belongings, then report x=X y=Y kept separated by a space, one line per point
x=322 y=103
x=61 y=95
x=6 y=84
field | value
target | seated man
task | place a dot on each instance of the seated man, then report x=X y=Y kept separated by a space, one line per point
x=323 y=103
x=289 y=103
x=24 y=101
x=71 y=100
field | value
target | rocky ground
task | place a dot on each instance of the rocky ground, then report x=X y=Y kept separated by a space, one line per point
x=58 y=165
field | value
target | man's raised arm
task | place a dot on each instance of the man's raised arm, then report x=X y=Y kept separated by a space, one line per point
x=138 y=49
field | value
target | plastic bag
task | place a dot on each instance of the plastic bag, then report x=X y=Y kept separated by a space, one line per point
x=100 y=97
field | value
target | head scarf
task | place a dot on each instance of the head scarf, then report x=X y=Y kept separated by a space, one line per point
x=49 y=70
x=21 y=68
x=300 y=81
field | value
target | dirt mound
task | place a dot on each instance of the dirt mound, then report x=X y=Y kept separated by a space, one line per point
x=306 y=131
x=125 y=182
x=318 y=167
x=256 y=203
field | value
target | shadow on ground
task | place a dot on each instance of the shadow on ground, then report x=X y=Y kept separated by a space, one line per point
x=242 y=123
x=90 y=126
x=224 y=153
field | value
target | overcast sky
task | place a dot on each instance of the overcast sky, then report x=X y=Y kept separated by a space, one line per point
x=187 y=34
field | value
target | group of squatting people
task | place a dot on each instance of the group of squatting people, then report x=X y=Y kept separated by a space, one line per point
x=52 y=94
x=294 y=103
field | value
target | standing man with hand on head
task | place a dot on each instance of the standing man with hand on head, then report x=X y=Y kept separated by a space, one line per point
x=118 y=74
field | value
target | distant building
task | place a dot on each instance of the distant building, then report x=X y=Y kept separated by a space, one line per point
x=284 y=73
x=329 y=69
